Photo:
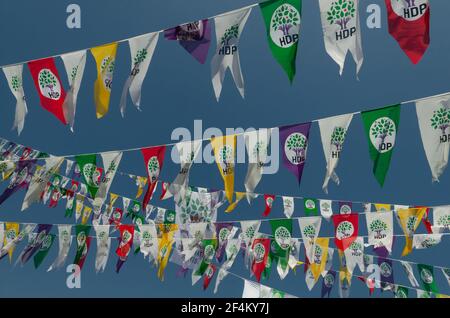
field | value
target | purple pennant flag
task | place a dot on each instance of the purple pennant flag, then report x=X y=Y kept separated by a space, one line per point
x=386 y=272
x=328 y=283
x=20 y=179
x=36 y=243
x=345 y=207
x=223 y=230
x=293 y=145
x=195 y=37
x=119 y=264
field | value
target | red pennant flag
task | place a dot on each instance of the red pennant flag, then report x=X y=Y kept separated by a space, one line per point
x=409 y=24
x=261 y=248
x=208 y=275
x=426 y=220
x=153 y=158
x=49 y=87
x=345 y=229
x=126 y=240
x=165 y=187
x=268 y=199
x=116 y=216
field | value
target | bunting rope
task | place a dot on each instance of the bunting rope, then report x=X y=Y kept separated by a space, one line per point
x=208 y=139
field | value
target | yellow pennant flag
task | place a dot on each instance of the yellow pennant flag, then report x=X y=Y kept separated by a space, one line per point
x=239 y=197
x=379 y=207
x=112 y=198
x=86 y=214
x=12 y=230
x=79 y=203
x=7 y=169
x=140 y=182
x=105 y=57
x=320 y=255
x=224 y=151
x=165 y=244
x=409 y=221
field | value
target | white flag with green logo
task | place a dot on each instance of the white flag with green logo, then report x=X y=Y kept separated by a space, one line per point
x=111 y=161
x=228 y=31
x=309 y=229
x=288 y=206
x=410 y=273
x=441 y=218
x=74 y=64
x=65 y=240
x=13 y=76
x=342 y=31
x=421 y=241
x=256 y=143
x=149 y=241
x=380 y=229
x=141 y=48
x=326 y=209
x=103 y=245
x=434 y=122
x=333 y=131
x=354 y=255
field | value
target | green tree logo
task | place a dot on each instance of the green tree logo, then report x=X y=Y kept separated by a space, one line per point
x=81 y=240
x=328 y=280
x=231 y=33
x=441 y=119
x=250 y=232
x=259 y=150
x=73 y=73
x=411 y=223
x=223 y=234
x=11 y=234
x=295 y=148
x=428 y=242
x=46 y=242
x=444 y=220
x=338 y=137
x=378 y=226
x=49 y=84
x=108 y=64
x=385 y=269
x=226 y=154
x=16 y=83
x=65 y=236
x=283 y=237
x=341 y=12
x=310 y=204
x=345 y=229
x=284 y=18
x=401 y=294
x=317 y=254
x=141 y=55
x=309 y=231
x=153 y=168
x=382 y=133
x=426 y=276
x=89 y=170
x=356 y=248
x=126 y=237
x=269 y=202
x=259 y=251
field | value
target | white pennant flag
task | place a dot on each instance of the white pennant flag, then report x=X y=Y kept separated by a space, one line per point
x=69 y=165
x=326 y=209
x=111 y=161
x=2 y=234
x=329 y=262
x=332 y=132
x=103 y=245
x=65 y=240
x=13 y=76
x=309 y=229
x=187 y=152
x=446 y=272
x=256 y=143
x=342 y=31
x=441 y=218
x=231 y=250
x=249 y=232
x=74 y=64
x=39 y=180
x=141 y=48
x=309 y=279
x=288 y=206
x=380 y=229
x=228 y=31
x=410 y=273
x=434 y=119
x=149 y=241
x=421 y=241
x=354 y=255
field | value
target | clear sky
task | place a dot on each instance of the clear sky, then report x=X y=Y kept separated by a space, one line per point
x=178 y=90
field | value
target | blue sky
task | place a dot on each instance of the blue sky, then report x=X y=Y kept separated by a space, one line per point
x=178 y=90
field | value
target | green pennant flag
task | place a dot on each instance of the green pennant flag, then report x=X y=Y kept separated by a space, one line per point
x=43 y=250
x=268 y=268
x=426 y=274
x=209 y=250
x=90 y=172
x=310 y=206
x=282 y=19
x=281 y=242
x=401 y=292
x=82 y=234
x=381 y=127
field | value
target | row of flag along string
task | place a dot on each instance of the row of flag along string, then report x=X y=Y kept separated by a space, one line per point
x=408 y=23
